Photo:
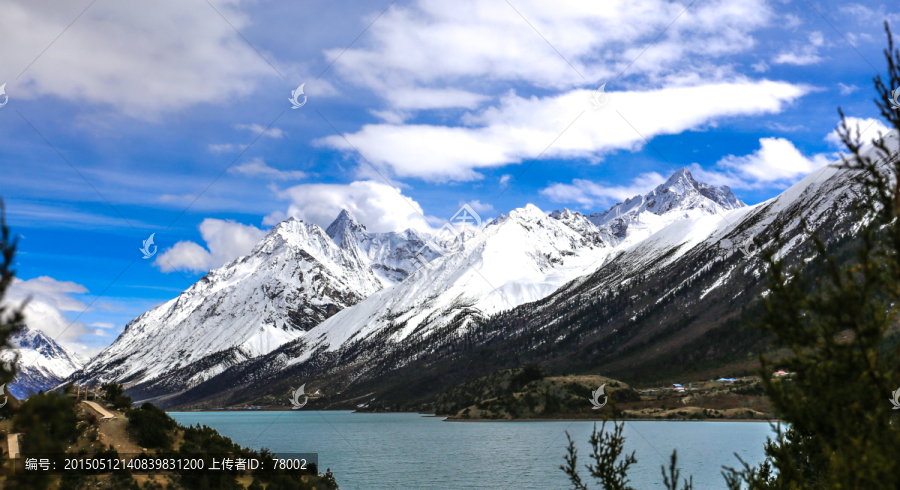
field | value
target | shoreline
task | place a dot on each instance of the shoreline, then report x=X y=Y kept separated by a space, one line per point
x=448 y=419
x=614 y=420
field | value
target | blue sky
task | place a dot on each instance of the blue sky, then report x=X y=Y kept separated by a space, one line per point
x=116 y=124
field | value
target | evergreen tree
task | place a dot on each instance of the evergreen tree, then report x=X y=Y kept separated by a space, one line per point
x=11 y=319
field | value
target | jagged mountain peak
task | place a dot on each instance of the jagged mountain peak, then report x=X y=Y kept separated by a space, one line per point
x=682 y=182
x=680 y=196
x=343 y=225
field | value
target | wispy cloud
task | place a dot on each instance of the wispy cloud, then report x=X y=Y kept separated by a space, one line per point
x=257 y=167
x=258 y=129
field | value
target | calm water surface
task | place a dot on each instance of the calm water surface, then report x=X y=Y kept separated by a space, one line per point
x=409 y=451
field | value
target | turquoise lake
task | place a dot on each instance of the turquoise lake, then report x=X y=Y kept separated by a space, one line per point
x=411 y=451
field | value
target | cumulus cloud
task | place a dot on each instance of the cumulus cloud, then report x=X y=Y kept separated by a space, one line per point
x=777 y=160
x=380 y=207
x=588 y=193
x=258 y=168
x=776 y=164
x=145 y=58
x=225 y=240
x=49 y=301
x=522 y=128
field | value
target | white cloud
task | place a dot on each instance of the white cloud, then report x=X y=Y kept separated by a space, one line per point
x=869 y=130
x=144 y=58
x=380 y=207
x=257 y=129
x=776 y=164
x=504 y=179
x=760 y=67
x=258 y=168
x=588 y=193
x=801 y=58
x=103 y=325
x=777 y=126
x=521 y=128
x=429 y=43
x=224 y=147
x=480 y=207
x=803 y=55
x=791 y=21
x=226 y=240
x=816 y=39
x=427 y=98
x=847 y=89
x=777 y=160
x=49 y=300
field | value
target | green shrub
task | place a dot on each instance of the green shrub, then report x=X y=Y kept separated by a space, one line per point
x=122 y=402
x=150 y=426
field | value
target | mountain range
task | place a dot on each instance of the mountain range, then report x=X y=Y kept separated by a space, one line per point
x=656 y=284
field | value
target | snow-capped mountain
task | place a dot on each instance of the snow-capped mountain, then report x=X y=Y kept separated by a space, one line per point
x=42 y=363
x=392 y=256
x=670 y=285
x=626 y=223
x=680 y=197
x=299 y=283
x=292 y=280
x=515 y=259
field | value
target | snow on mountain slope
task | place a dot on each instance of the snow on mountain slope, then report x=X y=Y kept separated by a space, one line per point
x=519 y=258
x=392 y=256
x=516 y=258
x=583 y=225
x=292 y=280
x=822 y=198
x=41 y=362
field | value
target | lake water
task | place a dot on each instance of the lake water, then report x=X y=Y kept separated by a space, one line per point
x=410 y=451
